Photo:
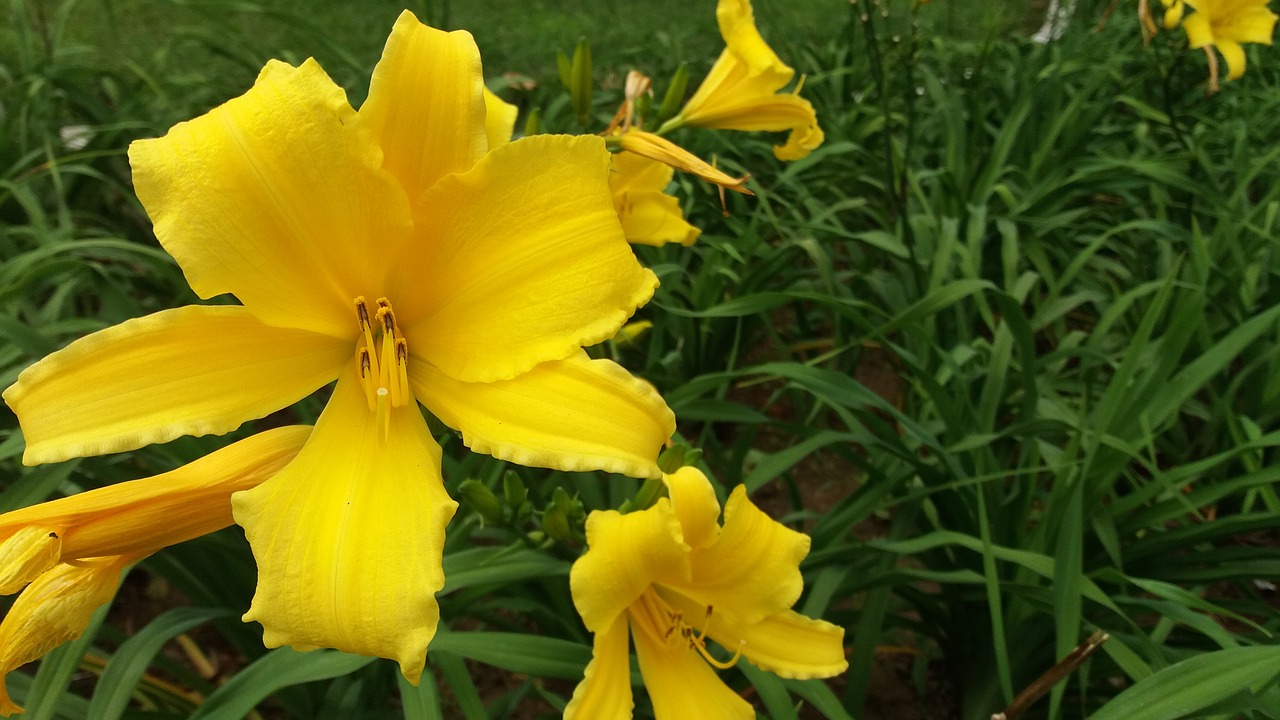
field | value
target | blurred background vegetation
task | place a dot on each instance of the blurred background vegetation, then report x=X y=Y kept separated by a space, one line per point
x=1005 y=347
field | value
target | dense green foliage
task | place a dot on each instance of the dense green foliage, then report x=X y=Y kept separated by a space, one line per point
x=1005 y=346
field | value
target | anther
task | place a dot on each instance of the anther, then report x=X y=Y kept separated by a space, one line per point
x=367 y=376
x=362 y=313
x=401 y=379
x=388 y=319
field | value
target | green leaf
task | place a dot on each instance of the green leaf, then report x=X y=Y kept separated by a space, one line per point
x=516 y=652
x=421 y=702
x=130 y=662
x=278 y=669
x=1182 y=690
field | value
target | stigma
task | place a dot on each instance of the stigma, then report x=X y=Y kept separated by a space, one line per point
x=382 y=359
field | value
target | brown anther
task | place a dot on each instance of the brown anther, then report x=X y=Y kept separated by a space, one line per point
x=402 y=351
x=365 y=365
x=362 y=312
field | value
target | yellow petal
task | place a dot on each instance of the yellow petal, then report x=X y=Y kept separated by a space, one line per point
x=681 y=684
x=788 y=644
x=753 y=569
x=25 y=554
x=1173 y=14
x=424 y=107
x=574 y=414
x=631 y=333
x=499 y=119
x=1233 y=53
x=277 y=197
x=695 y=504
x=629 y=172
x=1199 y=32
x=142 y=516
x=649 y=216
x=525 y=261
x=605 y=690
x=348 y=537
x=1254 y=24
x=55 y=608
x=625 y=555
x=188 y=371
x=741 y=37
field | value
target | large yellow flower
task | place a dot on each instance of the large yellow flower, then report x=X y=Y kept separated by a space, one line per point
x=1225 y=24
x=388 y=249
x=741 y=91
x=69 y=552
x=671 y=577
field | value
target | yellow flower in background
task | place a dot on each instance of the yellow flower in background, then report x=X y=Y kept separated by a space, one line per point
x=1224 y=24
x=389 y=249
x=649 y=215
x=672 y=578
x=69 y=552
x=741 y=91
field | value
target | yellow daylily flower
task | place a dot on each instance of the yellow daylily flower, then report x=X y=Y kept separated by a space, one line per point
x=1224 y=24
x=390 y=249
x=649 y=215
x=673 y=578
x=69 y=552
x=741 y=91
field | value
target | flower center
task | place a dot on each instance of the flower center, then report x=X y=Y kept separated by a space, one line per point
x=657 y=618
x=382 y=359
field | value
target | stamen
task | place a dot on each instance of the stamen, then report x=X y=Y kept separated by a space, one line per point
x=366 y=327
x=387 y=317
x=384 y=366
x=401 y=383
x=385 y=360
x=699 y=643
x=366 y=376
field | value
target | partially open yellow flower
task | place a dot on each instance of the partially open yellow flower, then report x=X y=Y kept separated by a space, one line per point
x=55 y=608
x=741 y=91
x=673 y=579
x=1224 y=24
x=649 y=215
x=68 y=552
x=390 y=250
x=656 y=147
